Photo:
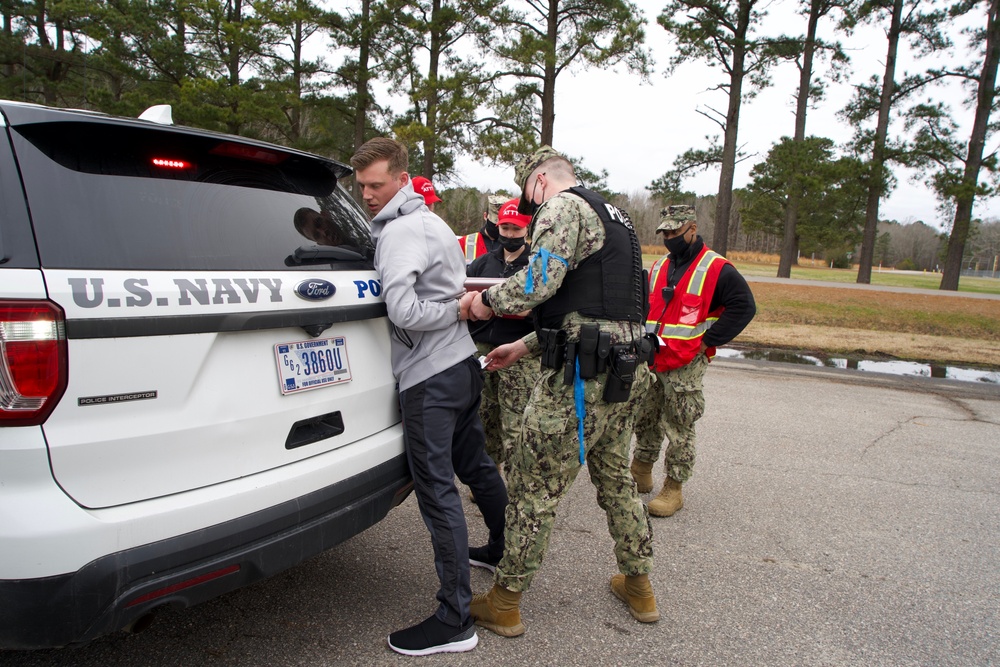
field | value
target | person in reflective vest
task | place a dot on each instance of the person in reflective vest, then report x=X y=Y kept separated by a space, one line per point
x=697 y=302
x=487 y=239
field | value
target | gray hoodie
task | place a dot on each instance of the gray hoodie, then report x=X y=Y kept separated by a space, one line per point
x=422 y=271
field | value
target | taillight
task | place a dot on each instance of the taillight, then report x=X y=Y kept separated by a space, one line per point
x=33 y=361
x=170 y=163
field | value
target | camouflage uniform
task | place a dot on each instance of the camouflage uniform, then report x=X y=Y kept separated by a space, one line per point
x=545 y=459
x=516 y=384
x=669 y=410
x=493 y=204
x=489 y=409
x=505 y=392
x=713 y=306
x=505 y=395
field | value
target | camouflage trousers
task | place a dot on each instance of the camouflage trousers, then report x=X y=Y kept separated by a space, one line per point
x=489 y=409
x=545 y=462
x=505 y=394
x=674 y=403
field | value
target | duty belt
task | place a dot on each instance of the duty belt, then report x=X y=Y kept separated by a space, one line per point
x=591 y=356
x=587 y=358
x=593 y=351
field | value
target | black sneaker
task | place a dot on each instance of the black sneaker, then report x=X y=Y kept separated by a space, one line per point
x=480 y=557
x=433 y=636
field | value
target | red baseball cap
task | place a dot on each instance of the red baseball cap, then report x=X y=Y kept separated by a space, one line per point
x=508 y=214
x=424 y=187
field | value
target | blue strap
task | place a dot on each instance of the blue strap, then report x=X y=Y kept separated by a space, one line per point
x=578 y=394
x=545 y=255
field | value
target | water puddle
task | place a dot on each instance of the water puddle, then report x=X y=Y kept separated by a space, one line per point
x=893 y=367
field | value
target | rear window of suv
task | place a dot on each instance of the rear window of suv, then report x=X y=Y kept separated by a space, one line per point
x=107 y=196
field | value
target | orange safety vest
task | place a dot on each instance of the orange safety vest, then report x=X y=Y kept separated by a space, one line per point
x=686 y=317
x=472 y=245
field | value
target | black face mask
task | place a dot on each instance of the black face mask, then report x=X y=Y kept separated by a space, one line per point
x=511 y=244
x=677 y=245
x=528 y=208
x=490 y=229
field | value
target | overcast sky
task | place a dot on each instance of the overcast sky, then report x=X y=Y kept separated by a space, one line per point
x=636 y=130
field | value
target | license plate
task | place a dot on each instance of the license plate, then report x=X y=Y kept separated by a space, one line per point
x=310 y=364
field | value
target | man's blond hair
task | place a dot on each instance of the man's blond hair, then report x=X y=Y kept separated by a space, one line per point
x=382 y=148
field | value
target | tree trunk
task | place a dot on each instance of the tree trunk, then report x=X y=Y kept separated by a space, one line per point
x=877 y=173
x=41 y=29
x=361 y=89
x=295 y=113
x=549 y=80
x=974 y=161
x=236 y=18
x=181 y=31
x=8 y=31
x=724 y=205
x=790 y=241
x=430 y=119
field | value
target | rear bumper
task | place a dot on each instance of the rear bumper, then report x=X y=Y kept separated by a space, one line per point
x=115 y=590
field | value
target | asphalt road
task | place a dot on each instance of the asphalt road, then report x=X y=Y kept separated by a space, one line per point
x=835 y=518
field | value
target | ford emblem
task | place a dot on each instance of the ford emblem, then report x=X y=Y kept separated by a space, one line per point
x=315 y=289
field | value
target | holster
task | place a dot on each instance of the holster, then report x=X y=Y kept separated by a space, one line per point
x=553 y=346
x=621 y=374
x=569 y=368
x=648 y=347
x=587 y=349
x=603 y=351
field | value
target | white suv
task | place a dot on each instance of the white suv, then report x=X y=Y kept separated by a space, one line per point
x=194 y=393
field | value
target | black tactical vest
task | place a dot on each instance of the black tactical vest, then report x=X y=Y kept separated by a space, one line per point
x=608 y=285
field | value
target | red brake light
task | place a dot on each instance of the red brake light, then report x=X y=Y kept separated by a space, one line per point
x=170 y=163
x=33 y=361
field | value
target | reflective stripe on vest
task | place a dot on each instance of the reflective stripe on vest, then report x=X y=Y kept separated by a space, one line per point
x=470 y=246
x=654 y=272
x=654 y=277
x=682 y=332
x=695 y=287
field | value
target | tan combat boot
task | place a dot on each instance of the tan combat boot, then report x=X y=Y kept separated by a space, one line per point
x=638 y=595
x=669 y=500
x=498 y=611
x=642 y=473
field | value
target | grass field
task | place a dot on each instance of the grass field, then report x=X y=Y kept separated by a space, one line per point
x=887 y=278
x=939 y=327
x=757 y=264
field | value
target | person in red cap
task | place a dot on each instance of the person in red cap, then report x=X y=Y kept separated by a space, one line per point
x=424 y=187
x=505 y=392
